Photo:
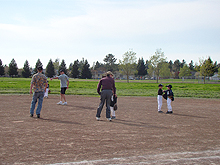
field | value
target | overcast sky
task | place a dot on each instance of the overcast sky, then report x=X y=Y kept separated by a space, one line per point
x=73 y=29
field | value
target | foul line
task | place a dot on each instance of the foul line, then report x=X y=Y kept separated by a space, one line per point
x=159 y=158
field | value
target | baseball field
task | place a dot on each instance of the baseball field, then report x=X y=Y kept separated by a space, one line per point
x=139 y=135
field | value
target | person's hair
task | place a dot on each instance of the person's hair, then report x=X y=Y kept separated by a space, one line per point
x=40 y=68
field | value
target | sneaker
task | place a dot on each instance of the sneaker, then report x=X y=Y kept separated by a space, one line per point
x=113 y=117
x=38 y=116
x=97 y=118
x=60 y=103
x=109 y=119
x=168 y=112
x=31 y=115
x=65 y=103
x=160 y=111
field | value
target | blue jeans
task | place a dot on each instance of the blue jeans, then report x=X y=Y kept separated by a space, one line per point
x=40 y=97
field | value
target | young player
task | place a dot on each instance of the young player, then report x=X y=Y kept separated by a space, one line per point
x=113 y=105
x=170 y=98
x=64 y=83
x=160 y=98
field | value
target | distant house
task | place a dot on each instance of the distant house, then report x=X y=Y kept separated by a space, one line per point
x=215 y=77
x=97 y=74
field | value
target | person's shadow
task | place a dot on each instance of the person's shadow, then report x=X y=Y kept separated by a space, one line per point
x=61 y=121
x=136 y=124
x=188 y=115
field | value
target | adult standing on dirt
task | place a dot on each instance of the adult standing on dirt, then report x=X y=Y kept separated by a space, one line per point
x=64 y=83
x=39 y=85
x=108 y=86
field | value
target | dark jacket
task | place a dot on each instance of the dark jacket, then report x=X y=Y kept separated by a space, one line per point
x=107 y=83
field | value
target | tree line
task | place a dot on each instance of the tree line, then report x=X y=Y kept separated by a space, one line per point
x=156 y=67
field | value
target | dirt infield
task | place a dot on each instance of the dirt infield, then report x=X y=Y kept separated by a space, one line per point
x=138 y=135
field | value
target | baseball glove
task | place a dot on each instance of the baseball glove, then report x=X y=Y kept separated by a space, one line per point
x=49 y=91
x=165 y=96
x=115 y=107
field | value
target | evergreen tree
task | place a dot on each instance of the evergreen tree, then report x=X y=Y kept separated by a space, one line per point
x=56 y=65
x=81 y=64
x=38 y=63
x=98 y=65
x=141 y=68
x=110 y=62
x=2 y=69
x=13 y=68
x=26 y=70
x=171 y=65
x=216 y=66
x=176 y=68
x=182 y=63
x=50 y=72
x=75 y=69
x=63 y=66
x=86 y=72
x=191 y=66
x=70 y=66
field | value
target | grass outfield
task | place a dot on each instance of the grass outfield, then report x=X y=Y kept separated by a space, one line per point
x=134 y=88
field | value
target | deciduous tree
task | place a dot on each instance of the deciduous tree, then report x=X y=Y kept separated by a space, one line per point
x=164 y=70
x=185 y=71
x=156 y=63
x=207 y=69
x=127 y=65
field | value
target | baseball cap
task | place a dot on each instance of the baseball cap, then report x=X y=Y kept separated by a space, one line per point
x=170 y=86
x=109 y=73
x=39 y=68
x=160 y=85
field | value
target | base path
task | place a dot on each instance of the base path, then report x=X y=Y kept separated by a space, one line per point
x=138 y=134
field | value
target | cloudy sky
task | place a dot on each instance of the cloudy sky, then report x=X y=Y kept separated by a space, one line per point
x=73 y=29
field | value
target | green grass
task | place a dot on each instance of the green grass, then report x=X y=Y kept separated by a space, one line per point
x=134 y=88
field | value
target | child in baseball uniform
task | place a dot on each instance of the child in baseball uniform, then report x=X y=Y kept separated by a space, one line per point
x=170 y=98
x=160 y=98
x=113 y=105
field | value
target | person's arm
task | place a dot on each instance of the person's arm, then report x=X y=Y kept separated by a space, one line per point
x=67 y=84
x=114 y=89
x=31 y=88
x=46 y=86
x=99 y=87
x=54 y=78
